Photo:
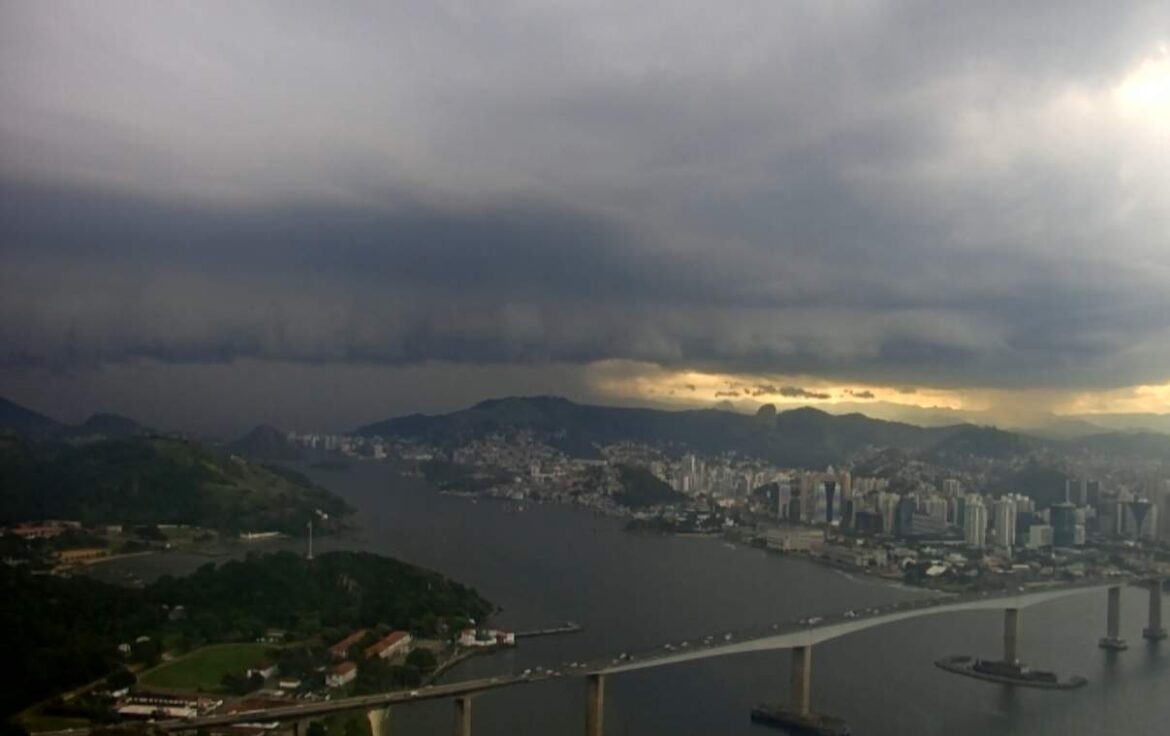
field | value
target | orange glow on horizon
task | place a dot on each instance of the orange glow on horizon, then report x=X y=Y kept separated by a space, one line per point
x=647 y=383
x=691 y=388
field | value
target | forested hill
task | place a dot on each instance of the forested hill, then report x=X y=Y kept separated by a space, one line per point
x=800 y=437
x=25 y=421
x=154 y=480
x=65 y=631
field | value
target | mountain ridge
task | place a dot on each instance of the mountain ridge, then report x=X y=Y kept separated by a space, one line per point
x=801 y=437
x=805 y=436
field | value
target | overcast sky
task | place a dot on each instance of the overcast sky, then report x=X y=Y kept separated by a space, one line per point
x=320 y=214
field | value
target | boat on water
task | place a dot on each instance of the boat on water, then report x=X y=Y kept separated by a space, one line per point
x=1007 y=673
x=810 y=724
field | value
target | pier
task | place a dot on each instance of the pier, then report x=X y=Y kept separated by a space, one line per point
x=567 y=628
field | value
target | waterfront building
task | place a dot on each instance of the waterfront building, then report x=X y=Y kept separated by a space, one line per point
x=391 y=644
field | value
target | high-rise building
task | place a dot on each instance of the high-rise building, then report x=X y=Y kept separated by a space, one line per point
x=975 y=522
x=1005 y=522
x=783 y=497
x=831 y=500
x=1092 y=493
x=796 y=507
x=888 y=508
x=1024 y=504
x=936 y=508
x=954 y=515
x=1149 y=528
x=1063 y=518
x=1040 y=535
x=904 y=515
x=1161 y=499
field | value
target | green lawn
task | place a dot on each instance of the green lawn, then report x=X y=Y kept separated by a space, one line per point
x=204 y=668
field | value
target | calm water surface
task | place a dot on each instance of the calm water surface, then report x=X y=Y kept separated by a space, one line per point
x=549 y=564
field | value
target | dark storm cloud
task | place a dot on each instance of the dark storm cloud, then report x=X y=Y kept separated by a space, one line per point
x=796 y=392
x=895 y=192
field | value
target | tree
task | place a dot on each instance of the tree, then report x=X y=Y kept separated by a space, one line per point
x=147 y=652
x=150 y=532
x=121 y=679
x=12 y=728
x=240 y=685
x=422 y=659
x=316 y=728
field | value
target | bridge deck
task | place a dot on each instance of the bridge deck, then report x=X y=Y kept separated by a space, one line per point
x=837 y=626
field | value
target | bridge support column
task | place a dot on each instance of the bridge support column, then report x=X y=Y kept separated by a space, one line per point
x=800 y=679
x=462 y=716
x=1154 y=629
x=1112 y=639
x=1011 y=635
x=379 y=719
x=594 y=704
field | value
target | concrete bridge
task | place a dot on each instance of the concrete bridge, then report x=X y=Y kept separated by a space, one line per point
x=800 y=637
x=801 y=640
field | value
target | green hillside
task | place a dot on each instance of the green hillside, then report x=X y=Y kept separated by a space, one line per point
x=66 y=631
x=154 y=480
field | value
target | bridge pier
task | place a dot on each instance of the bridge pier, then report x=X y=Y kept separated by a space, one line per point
x=1154 y=630
x=1011 y=635
x=1112 y=639
x=594 y=704
x=800 y=679
x=379 y=719
x=462 y=716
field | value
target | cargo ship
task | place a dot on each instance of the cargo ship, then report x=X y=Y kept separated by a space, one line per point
x=1007 y=673
x=810 y=724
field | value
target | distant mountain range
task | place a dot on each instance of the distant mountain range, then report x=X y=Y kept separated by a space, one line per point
x=1039 y=424
x=803 y=437
x=28 y=423
x=25 y=421
x=266 y=443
